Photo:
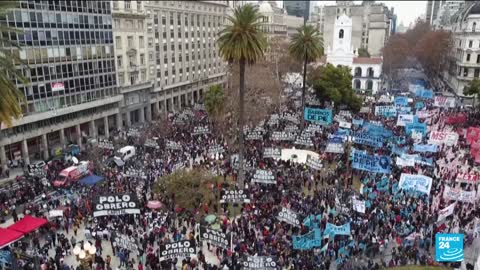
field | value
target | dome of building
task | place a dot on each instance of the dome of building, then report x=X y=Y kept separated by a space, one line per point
x=265 y=7
x=475 y=9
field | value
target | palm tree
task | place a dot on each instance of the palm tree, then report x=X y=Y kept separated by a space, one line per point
x=10 y=96
x=214 y=101
x=242 y=42
x=306 y=45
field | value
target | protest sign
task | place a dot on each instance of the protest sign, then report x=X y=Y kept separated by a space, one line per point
x=365 y=162
x=442 y=137
x=215 y=149
x=377 y=129
x=275 y=153
x=314 y=163
x=199 y=130
x=457 y=194
x=419 y=105
x=320 y=116
x=264 y=176
x=344 y=124
x=289 y=217
x=446 y=212
x=290 y=117
x=423 y=114
x=307 y=241
x=424 y=93
x=414 y=182
x=116 y=204
x=283 y=136
x=234 y=196
x=419 y=127
x=406 y=160
x=173 y=145
x=214 y=237
x=254 y=136
x=337 y=148
x=359 y=205
x=423 y=148
x=384 y=99
x=126 y=242
x=444 y=102
x=467 y=178
x=401 y=101
x=178 y=249
x=337 y=230
x=291 y=128
x=150 y=143
x=259 y=263
x=367 y=139
x=357 y=122
x=386 y=111
x=304 y=139
x=365 y=110
x=346 y=114
x=424 y=161
x=404 y=119
x=456 y=119
x=314 y=128
x=473 y=134
x=404 y=110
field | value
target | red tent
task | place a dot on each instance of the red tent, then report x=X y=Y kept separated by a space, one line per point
x=8 y=236
x=28 y=224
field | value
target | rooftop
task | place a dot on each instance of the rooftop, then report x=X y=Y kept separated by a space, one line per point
x=367 y=60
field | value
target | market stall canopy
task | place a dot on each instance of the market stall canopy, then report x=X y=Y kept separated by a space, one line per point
x=28 y=224
x=91 y=180
x=8 y=236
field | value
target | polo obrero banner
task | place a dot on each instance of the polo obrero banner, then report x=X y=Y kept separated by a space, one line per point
x=178 y=249
x=115 y=205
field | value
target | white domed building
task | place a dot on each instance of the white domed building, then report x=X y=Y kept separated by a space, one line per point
x=272 y=19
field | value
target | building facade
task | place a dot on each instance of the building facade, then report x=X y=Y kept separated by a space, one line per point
x=371 y=24
x=445 y=13
x=433 y=6
x=465 y=63
x=300 y=8
x=366 y=71
x=97 y=66
x=72 y=91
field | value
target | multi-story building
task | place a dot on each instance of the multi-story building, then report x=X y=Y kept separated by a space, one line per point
x=432 y=10
x=371 y=24
x=300 y=8
x=69 y=63
x=183 y=59
x=465 y=63
x=318 y=18
x=445 y=13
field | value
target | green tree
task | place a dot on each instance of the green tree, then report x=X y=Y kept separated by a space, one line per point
x=214 y=100
x=473 y=88
x=242 y=41
x=363 y=52
x=306 y=45
x=10 y=96
x=335 y=84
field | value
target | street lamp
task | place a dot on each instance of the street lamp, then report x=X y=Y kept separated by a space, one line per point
x=85 y=254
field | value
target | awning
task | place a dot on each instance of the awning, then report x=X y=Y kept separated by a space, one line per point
x=28 y=224
x=91 y=180
x=8 y=236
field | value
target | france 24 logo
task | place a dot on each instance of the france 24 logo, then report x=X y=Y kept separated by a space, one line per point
x=448 y=247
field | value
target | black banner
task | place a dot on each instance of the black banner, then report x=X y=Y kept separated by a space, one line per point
x=289 y=217
x=179 y=249
x=115 y=205
x=234 y=196
x=216 y=238
x=259 y=263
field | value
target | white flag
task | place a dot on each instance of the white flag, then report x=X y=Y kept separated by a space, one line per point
x=447 y=211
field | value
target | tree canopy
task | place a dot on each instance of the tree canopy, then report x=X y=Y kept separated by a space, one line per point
x=335 y=84
x=214 y=100
x=473 y=88
x=306 y=44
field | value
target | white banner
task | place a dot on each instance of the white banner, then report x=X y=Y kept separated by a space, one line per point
x=423 y=114
x=447 y=211
x=440 y=101
x=415 y=182
x=359 y=205
x=456 y=194
x=344 y=124
x=406 y=161
x=365 y=110
x=442 y=137
x=404 y=119
x=335 y=148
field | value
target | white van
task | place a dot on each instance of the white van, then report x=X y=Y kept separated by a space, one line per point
x=126 y=152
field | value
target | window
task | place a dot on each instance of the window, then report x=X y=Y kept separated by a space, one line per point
x=121 y=78
x=141 y=41
x=142 y=59
x=474 y=26
x=130 y=41
x=468 y=57
x=116 y=23
x=465 y=72
x=140 y=24
x=340 y=34
x=369 y=85
x=477 y=73
x=470 y=43
x=119 y=61
x=118 y=42
x=127 y=5
x=478 y=58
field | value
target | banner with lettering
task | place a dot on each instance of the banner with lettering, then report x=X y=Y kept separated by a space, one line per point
x=307 y=241
x=467 y=178
x=359 y=205
x=444 y=102
x=423 y=114
x=332 y=229
x=375 y=164
x=367 y=139
x=178 y=249
x=401 y=101
x=365 y=110
x=457 y=194
x=115 y=205
x=357 y=122
x=446 y=212
x=443 y=137
x=406 y=160
x=283 y=136
x=415 y=182
x=419 y=127
x=456 y=119
x=214 y=237
x=423 y=148
x=321 y=116
x=424 y=93
x=386 y=111
x=473 y=134
x=404 y=110
x=424 y=161
x=264 y=177
x=259 y=263
x=377 y=130
x=337 y=148
x=404 y=119
x=314 y=163
x=234 y=196
x=289 y=216
x=275 y=153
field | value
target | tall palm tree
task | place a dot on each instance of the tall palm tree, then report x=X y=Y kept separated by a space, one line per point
x=242 y=42
x=10 y=96
x=306 y=45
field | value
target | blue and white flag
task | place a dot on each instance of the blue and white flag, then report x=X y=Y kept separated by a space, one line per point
x=321 y=116
x=424 y=161
x=307 y=241
x=386 y=111
x=337 y=230
x=375 y=164
x=357 y=122
x=415 y=182
x=423 y=148
x=401 y=101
